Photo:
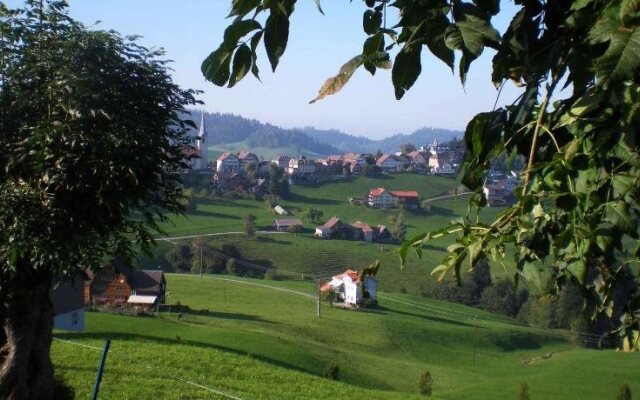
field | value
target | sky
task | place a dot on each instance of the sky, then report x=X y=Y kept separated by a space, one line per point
x=318 y=45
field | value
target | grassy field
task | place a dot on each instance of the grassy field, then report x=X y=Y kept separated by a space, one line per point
x=256 y=339
x=305 y=254
x=263 y=153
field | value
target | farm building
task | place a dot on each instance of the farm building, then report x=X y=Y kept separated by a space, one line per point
x=329 y=228
x=351 y=289
x=407 y=199
x=381 y=198
x=228 y=162
x=287 y=224
x=112 y=288
x=68 y=308
x=362 y=230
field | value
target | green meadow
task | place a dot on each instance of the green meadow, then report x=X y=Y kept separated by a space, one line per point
x=256 y=339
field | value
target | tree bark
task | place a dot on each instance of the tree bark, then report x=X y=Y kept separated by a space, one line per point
x=26 y=315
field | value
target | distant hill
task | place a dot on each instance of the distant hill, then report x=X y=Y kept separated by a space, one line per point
x=228 y=130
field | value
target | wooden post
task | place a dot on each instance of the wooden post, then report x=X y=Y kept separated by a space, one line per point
x=96 y=388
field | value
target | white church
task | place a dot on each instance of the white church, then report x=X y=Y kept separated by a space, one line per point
x=200 y=149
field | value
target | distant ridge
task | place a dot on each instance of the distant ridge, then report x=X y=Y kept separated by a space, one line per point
x=225 y=129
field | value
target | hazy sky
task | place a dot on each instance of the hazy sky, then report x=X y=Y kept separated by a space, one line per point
x=318 y=45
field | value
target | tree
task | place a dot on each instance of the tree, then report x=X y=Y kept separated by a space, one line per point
x=314 y=215
x=249 y=224
x=407 y=148
x=92 y=140
x=426 y=384
x=578 y=202
x=398 y=228
x=231 y=266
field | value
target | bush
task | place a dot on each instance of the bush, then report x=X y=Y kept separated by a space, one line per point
x=332 y=372
x=624 y=393
x=523 y=393
x=426 y=383
x=501 y=298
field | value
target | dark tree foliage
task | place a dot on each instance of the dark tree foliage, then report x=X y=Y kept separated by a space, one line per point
x=249 y=225
x=578 y=203
x=91 y=147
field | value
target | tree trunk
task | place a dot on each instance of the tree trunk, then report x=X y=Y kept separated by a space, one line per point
x=26 y=315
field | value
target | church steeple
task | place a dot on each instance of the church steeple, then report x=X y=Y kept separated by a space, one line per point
x=201 y=145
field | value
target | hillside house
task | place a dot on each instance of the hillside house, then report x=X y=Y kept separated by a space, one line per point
x=351 y=289
x=227 y=163
x=362 y=230
x=380 y=198
x=355 y=158
x=389 y=162
x=247 y=158
x=408 y=199
x=141 y=289
x=444 y=168
x=333 y=159
x=231 y=181
x=68 y=305
x=301 y=166
x=382 y=234
x=288 y=224
x=417 y=160
x=329 y=228
x=282 y=161
x=499 y=193
x=354 y=167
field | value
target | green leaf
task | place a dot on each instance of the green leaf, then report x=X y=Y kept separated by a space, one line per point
x=242 y=62
x=621 y=60
x=489 y=6
x=618 y=214
x=441 y=270
x=335 y=84
x=579 y=270
x=215 y=67
x=406 y=69
x=240 y=8
x=238 y=30
x=276 y=35
x=470 y=37
x=371 y=21
x=531 y=275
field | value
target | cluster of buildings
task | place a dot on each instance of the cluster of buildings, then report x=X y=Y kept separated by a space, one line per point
x=499 y=188
x=352 y=289
x=358 y=230
x=231 y=169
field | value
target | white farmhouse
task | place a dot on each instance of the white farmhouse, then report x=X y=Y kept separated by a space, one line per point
x=349 y=287
x=388 y=162
x=381 y=198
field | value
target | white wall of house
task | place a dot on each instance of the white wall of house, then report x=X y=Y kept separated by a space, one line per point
x=352 y=292
x=384 y=200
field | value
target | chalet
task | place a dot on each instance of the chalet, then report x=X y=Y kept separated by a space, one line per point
x=380 y=198
x=68 y=305
x=329 y=228
x=354 y=167
x=288 y=224
x=141 y=289
x=228 y=162
x=355 y=158
x=389 y=162
x=301 y=166
x=444 y=168
x=417 y=160
x=407 y=199
x=247 y=158
x=352 y=288
x=499 y=193
x=382 y=234
x=282 y=161
x=362 y=231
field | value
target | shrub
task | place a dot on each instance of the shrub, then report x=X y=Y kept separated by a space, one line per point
x=332 y=372
x=426 y=383
x=523 y=393
x=624 y=393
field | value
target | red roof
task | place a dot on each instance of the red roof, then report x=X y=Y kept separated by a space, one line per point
x=406 y=193
x=333 y=221
x=376 y=191
x=350 y=273
x=362 y=225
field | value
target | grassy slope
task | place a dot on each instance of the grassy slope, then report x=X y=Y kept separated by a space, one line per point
x=262 y=343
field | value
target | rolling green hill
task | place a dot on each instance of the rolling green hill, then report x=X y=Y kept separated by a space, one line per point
x=251 y=340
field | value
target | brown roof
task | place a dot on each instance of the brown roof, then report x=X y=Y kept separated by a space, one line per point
x=415 y=154
x=377 y=191
x=244 y=154
x=362 y=225
x=146 y=280
x=354 y=275
x=333 y=221
x=405 y=193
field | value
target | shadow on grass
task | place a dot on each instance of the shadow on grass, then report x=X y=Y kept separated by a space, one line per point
x=298 y=198
x=200 y=213
x=428 y=317
x=518 y=341
x=270 y=239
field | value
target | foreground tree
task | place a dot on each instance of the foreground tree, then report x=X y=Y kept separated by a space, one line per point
x=578 y=203
x=91 y=143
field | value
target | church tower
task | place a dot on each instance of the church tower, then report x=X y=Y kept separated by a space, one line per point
x=203 y=162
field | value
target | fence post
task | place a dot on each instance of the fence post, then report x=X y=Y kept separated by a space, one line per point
x=96 y=388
